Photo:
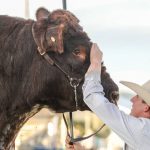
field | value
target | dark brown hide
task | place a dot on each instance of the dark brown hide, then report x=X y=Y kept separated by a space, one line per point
x=27 y=82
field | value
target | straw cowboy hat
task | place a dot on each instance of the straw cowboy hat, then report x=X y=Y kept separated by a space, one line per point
x=143 y=91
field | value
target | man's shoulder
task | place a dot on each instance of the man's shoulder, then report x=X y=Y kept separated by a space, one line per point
x=145 y=126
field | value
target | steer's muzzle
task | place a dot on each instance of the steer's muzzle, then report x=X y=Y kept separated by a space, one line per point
x=114 y=97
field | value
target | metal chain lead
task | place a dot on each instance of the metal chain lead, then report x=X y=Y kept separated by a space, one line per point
x=74 y=82
x=75 y=96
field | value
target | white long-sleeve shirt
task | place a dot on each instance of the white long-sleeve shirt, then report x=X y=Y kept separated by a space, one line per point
x=135 y=132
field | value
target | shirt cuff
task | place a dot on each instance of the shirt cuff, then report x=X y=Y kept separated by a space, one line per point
x=93 y=75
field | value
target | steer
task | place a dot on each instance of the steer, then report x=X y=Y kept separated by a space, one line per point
x=38 y=60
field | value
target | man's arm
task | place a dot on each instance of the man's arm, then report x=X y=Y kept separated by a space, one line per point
x=118 y=121
x=124 y=125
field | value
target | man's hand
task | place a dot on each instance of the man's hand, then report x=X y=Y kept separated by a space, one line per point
x=95 y=58
x=75 y=146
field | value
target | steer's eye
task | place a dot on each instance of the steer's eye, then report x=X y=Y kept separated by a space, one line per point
x=76 y=51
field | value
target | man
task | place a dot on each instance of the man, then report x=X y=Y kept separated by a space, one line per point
x=134 y=129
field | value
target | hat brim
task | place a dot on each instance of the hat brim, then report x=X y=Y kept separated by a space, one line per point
x=139 y=90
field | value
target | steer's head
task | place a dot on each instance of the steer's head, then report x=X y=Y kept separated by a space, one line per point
x=59 y=35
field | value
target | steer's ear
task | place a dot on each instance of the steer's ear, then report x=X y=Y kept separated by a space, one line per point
x=42 y=13
x=54 y=37
x=48 y=37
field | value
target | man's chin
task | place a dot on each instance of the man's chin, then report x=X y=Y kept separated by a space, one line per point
x=131 y=113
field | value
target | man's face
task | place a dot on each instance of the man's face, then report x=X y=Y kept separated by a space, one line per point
x=138 y=106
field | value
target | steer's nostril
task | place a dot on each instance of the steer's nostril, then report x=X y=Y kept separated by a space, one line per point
x=114 y=96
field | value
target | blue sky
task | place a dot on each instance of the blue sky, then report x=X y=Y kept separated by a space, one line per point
x=120 y=27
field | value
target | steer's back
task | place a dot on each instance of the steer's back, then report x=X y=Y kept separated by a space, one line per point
x=15 y=44
x=11 y=28
x=8 y=24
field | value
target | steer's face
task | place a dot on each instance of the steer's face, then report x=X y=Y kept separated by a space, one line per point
x=63 y=39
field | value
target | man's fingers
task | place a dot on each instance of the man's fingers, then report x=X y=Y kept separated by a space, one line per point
x=96 y=49
x=68 y=139
x=93 y=47
x=69 y=147
x=96 y=54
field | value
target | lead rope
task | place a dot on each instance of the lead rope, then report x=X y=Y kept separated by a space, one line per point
x=70 y=134
x=75 y=83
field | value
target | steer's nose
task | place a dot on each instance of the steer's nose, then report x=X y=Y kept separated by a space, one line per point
x=114 y=96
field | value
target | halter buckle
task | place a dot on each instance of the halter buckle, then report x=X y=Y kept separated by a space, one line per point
x=74 y=82
x=41 y=51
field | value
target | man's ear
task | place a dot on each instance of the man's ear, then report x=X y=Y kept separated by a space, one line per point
x=146 y=108
x=42 y=13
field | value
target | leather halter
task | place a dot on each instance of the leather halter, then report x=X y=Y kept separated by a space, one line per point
x=74 y=82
